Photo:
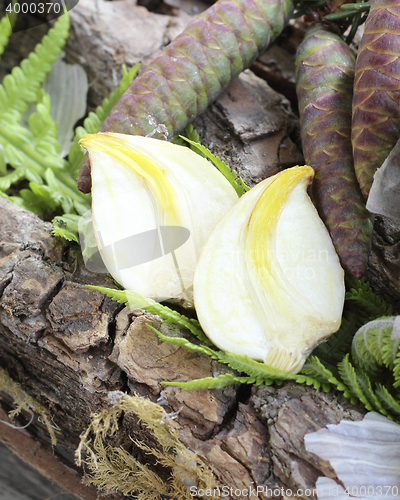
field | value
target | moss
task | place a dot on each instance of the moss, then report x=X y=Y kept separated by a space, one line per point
x=24 y=401
x=112 y=468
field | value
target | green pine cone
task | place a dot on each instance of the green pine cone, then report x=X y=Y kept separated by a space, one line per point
x=194 y=69
x=324 y=80
x=376 y=102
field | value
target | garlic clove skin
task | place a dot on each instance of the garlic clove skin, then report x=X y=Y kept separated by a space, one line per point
x=365 y=456
x=269 y=284
x=148 y=197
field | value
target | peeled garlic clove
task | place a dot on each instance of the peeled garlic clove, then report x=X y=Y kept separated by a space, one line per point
x=268 y=284
x=154 y=204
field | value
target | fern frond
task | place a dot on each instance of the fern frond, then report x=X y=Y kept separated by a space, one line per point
x=391 y=403
x=219 y=382
x=5 y=32
x=260 y=371
x=236 y=182
x=66 y=226
x=366 y=387
x=182 y=342
x=32 y=156
x=189 y=133
x=92 y=123
x=20 y=87
x=396 y=371
x=373 y=346
x=369 y=306
x=3 y=163
x=44 y=131
x=192 y=134
x=349 y=377
x=15 y=199
x=130 y=298
x=314 y=369
x=390 y=347
x=366 y=349
x=7 y=180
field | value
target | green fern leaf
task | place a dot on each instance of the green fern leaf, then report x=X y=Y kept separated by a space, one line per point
x=44 y=132
x=259 y=371
x=189 y=133
x=5 y=32
x=396 y=371
x=244 y=365
x=182 y=342
x=3 y=164
x=15 y=199
x=366 y=387
x=367 y=349
x=390 y=347
x=66 y=226
x=14 y=155
x=93 y=122
x=388 y=401
x=38 y=198
x=20 y=87
x=373 y=346
x=349 y=377
x=219 y=382
x=30 y=163
x=237 y=183
x=311 y=381
x=368 y=305
x=315 y=370
x=128 y=297
x=7 y=180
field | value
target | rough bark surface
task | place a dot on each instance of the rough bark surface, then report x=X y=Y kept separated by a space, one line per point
x=68 y=346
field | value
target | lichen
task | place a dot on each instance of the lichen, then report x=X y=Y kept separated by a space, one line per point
x=24 y=401
x=112 y=468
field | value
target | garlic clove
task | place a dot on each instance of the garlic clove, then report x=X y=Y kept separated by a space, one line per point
x=154 y=204
x=269 y=284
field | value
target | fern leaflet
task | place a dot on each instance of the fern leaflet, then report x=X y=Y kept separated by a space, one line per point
x=66 y=226
x=5 y=32
x=349 y=377
x=314 y=369
x=236 y=182
x=366 y=387
x=366 y=303
x=219 y=382
x=387 y=400
x=20 y=87
x=134 y=299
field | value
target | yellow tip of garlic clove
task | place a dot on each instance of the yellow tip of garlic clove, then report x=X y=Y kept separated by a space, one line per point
x=268 y=283
x=151 y=193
